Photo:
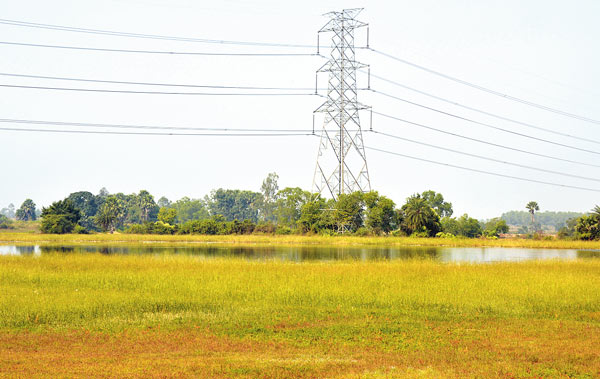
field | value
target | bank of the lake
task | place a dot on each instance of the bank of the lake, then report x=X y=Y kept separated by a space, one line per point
x=290 y=240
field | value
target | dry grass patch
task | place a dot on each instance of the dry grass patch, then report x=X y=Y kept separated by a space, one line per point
x=507 y=349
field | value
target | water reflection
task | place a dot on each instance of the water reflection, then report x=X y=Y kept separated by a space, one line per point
x=312 y=253
x=19 y=250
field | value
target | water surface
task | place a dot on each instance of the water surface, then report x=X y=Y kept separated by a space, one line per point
x=317 y=253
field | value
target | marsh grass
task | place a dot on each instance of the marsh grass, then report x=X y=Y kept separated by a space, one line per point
x=112 y=293
x=173 y=315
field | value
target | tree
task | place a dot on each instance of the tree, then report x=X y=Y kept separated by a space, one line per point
x=596 y=211
x=469 y=227
x=311 y=214
x=450 y=225
x=27 y=211
x=588 y=227
x=111 y=213
x=190 y=209
x=148 y=208
x=532 y=207
x=495 y=227
x=288 y=207
x=420 y=217
x=87 y=205
x=163 y=202
x=235 y=204
x=167 y=215
x=381 y=216
x=9 y=211
x=59 y=218
x=464 y=226
x=348 y=211
x=436 y=201
x=269 y=190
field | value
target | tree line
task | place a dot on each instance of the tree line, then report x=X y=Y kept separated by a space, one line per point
x=290 y=210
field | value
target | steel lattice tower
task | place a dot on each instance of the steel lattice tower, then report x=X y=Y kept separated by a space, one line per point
x=343 y=169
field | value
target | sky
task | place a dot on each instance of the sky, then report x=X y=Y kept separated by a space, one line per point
x=541 y=51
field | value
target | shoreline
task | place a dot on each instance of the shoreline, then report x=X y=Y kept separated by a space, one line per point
x=287 y=240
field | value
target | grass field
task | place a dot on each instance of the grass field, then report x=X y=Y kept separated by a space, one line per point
x=103 y=238
x=167 y=315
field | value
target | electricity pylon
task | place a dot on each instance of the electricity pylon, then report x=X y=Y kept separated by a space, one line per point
x=341 y=161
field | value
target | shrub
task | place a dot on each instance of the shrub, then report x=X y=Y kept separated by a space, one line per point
x=283 y=230
x=6 y=223
x=60 y=217
x=265 y=228
x=398 y=233
x=56 y=224
x=362 y=232
x=78 y=229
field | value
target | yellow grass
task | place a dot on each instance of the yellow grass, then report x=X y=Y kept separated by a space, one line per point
x=167 y=315
x=293 y=240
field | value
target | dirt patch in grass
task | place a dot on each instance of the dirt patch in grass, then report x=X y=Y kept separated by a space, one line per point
x=502 y=348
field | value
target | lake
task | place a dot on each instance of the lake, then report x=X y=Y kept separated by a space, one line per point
x=317 y=253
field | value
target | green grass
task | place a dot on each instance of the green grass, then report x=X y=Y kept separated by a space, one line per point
x=293 y=240
x=112 y=293
x=185 y=315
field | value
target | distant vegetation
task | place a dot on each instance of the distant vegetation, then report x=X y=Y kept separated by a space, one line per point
x=288 y=211
x=550 y=220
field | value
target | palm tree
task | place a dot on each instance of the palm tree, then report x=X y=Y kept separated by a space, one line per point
x=596 y=211
x=417 y=213
x=533 y=207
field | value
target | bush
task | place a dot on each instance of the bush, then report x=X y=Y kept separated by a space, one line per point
x=445 y=235
x=421 y=234
x=6 y=223
x=362 y=232
x=283 y=230
x=157 y=227
x=56 y=224
x=78 y=229
x=59 y=218
x=265 y=228
x=399 y=233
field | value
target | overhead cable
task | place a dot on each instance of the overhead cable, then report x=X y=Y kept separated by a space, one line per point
x=148 y=36
x=482 y=171
x=489 y=125
x=485 y=158
x=161 y=51
x=488 y=90
x=485 y=142
x=158 y=92
x=157 y=134
x=155 y=84
x=148 y=127
x=480 y=111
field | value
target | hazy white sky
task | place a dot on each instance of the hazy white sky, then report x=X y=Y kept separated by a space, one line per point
x=542 y=51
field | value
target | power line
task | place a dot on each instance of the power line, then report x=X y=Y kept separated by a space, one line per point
x=156 y=92
x=480 y=111
x=490 y=91
x=160 y=51
x=155 y=84
x=483 y=141
x=158 y=134
x=148 y=36
x=491 y=126
x=483 y=171
x=487 y=158
x=149 y=127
